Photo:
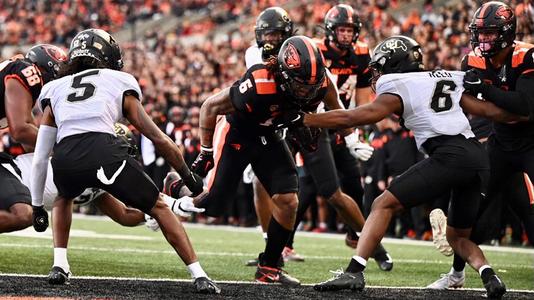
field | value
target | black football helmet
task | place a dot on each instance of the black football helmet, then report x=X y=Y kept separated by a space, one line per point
x=494 y=18
x=99 y=45
x=397 y=54
x=48 y=58
x=342 y=15
x=302 y=68
x=270 y=20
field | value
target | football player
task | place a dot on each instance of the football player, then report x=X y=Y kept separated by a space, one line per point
x=79 y=112
x=432 y=105
x=21 y=80
x=500 y=70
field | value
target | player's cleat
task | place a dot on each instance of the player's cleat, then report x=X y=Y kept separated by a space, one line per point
x=174 y=186
x=438 y=221
x=271 y=275
x=205 y=285
x=290 y=254
x=382 y=258
x=151 y=223
x=342 y=281
x=252 y=262
x=88 y=195
x=58 y=276
x=495 y=287
x=448 y=281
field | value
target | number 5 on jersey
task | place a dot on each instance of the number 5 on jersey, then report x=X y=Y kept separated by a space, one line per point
x=84 y=90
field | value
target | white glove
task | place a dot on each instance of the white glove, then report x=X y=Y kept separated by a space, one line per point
x=359 y=150
x=151 y=223
x=184 y=207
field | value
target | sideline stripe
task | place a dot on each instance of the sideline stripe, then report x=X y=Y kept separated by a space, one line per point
x=244 y=254
x=240 y=282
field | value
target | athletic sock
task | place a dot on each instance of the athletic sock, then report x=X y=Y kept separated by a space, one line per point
x=485 y=273
x=196 y=270
x=357 y=264
x=60 y=259
x=458 y=264
x=289 y=243
x=278 y=236
x=265 y=236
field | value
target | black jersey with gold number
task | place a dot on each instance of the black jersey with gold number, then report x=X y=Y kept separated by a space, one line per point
x=23 y=71
x=519 y=62
x=350 y=70
x=257 y=99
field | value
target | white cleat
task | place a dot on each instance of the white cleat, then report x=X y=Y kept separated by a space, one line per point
x=438 y=221
x=448 y=281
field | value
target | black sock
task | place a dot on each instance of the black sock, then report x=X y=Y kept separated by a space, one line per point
x=278 y=237
x=354 y=266
x=458 y=263
x=486 y=274
x=289 y=243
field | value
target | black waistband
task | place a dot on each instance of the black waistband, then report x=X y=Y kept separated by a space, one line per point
x=431 y=144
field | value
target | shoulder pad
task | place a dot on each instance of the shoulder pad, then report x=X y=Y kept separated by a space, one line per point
x=320 y=44
x=520 y=51
x=361 y=48
x=475 y=61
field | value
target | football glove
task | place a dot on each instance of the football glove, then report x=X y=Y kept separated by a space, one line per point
x=40 y=218
x=292 y=118
x=359 y=150
x=203 y=163
x=473 y=83
x=184 y=207
x=305 y=137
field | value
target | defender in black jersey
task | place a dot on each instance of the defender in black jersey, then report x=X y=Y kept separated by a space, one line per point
x=21 y=80
x=500 y=70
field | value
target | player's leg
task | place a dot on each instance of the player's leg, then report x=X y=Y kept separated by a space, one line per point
x=276 y=170
x=136 y=189
x=118 y=212
x=15 y=198
x=263 y=205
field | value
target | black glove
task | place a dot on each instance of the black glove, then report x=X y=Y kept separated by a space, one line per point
x=194 y=184
x=40 y=218
x=307 y=138
x=292 y=118
x=203 y=163
x=473 y=83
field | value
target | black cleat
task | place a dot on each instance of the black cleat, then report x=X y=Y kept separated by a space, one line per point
x=174 y=186
x=342 y=281
x=495 y=287
x=205 y=285
x=58 y=276
x=382 y=258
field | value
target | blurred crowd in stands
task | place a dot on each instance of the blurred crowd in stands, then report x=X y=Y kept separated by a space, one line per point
x=178 y=69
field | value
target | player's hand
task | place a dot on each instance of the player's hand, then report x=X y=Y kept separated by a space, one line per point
x=359 y=150
x=40 y=218
x=203 y=163
x=292 y=118
x=184 y=207
x=194 y=184
x=473 y=82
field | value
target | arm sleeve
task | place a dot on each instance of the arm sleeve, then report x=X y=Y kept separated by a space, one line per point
x=45 y=142
x=520 y=101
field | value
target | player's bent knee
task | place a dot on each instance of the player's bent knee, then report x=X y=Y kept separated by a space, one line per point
x=387 y=200
x=23 y=213
x=287 y=201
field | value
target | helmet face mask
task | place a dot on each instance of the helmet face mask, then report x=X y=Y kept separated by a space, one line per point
x=48 y=58
x=492 y=29
x=270 y=21
x=342 y=15
x=302 y=69
x=98 y=45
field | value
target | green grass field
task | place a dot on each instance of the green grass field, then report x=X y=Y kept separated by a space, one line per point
x=102 y=248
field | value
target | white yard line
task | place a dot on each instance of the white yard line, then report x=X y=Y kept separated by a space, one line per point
x=244 y=254
x=232 y=282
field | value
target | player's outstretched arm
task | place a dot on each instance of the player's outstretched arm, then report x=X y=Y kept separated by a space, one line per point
x=488 y=110
x=19 y=103
x=135 y=113
x=383 y=106
x=43 y=148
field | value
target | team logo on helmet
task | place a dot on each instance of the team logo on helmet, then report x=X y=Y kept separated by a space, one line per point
x=393 y=45
x=504 y=12
x=291 y=57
